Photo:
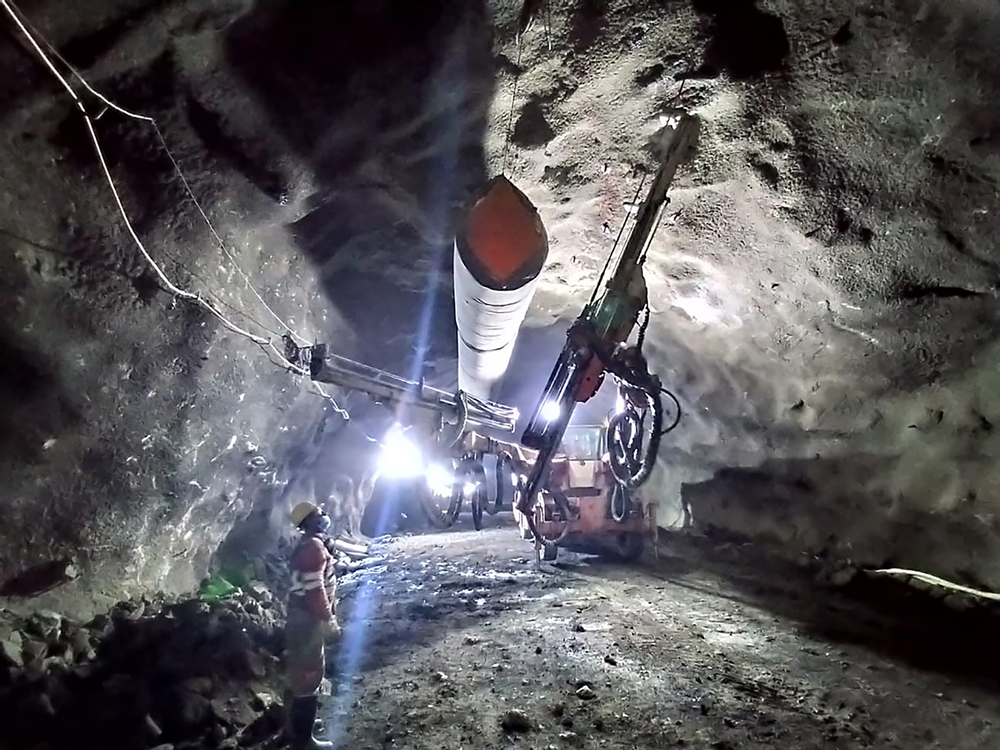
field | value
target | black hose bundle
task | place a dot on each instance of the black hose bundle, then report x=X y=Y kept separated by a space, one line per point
x=632 y=455
x=621 y=504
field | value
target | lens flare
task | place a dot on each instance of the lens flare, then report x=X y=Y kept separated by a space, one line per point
x=400 y=457
x=439 y=480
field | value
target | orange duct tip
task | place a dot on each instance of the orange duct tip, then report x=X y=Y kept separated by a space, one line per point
x=502 y=241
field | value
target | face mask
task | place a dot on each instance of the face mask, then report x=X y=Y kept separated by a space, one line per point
x=322 y=523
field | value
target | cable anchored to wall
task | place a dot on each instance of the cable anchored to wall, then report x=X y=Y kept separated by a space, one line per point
x=265 y=343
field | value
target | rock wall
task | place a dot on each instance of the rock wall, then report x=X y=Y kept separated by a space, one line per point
x=331 y=146
x=855 y=418
x=133 y=424
x=824 y=283
x=823 y=287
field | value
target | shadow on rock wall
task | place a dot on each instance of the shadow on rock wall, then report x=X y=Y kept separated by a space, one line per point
x=743 y=40
x=386 y=103
x=132 y=425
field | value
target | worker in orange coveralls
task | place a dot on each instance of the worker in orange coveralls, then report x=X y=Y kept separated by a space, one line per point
x=312 y=620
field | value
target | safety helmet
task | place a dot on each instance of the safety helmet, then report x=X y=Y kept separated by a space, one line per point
x=301 y=512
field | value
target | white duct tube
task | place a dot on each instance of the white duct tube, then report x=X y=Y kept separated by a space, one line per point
x=488 y=321
x=499 y=253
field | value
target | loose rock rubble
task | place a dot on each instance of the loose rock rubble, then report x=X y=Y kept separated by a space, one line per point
x=153 y=673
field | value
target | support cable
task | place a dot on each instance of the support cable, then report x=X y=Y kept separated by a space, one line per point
x=266 y=344
x=513 y=99
x=177 y=168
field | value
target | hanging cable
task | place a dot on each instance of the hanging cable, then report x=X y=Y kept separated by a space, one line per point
x=513 y=98
x=548 y=24
x=641 y=338
x=219 y=240
x=677 y=416
x=621 y=231
x=177 y=169
x=219 y=301
x=266 y=344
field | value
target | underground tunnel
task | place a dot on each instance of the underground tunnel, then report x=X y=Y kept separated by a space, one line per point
x=504 y=373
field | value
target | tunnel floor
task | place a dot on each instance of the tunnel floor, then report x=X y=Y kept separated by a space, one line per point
x=696 y=649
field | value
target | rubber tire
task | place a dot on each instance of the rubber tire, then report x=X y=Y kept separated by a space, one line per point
x=439 y=519
x=455 y=506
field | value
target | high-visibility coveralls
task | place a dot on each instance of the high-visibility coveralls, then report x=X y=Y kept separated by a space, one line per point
x=311 y=614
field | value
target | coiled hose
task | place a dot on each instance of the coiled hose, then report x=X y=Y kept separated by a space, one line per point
x=628 y=470
x=631 y=473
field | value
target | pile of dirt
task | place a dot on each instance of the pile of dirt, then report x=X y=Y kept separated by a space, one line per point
x=151 y=673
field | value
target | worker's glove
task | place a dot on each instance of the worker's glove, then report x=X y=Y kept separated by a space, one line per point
x=331 y=629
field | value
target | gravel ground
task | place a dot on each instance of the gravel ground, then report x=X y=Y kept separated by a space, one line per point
x=459 y=642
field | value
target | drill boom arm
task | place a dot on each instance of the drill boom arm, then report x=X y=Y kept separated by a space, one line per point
x=606 y=322
x=386 y=388
x=677 y=145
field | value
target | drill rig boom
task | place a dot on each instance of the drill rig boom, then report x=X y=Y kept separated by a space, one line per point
x=459 y=409
x=595 y=346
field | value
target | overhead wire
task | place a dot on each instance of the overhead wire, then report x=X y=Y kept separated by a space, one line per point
x=265 y=343
x=215 y=296
x=614 y=248
x=177 y=169
x=513 y=99
x=219 y=240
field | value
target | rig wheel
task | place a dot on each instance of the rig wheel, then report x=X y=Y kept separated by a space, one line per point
x=476 y=503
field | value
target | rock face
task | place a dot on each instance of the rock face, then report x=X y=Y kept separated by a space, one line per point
x=153 y=672
x=823 y=287
x=135 y=428
x=131 y=420
x=824 y=283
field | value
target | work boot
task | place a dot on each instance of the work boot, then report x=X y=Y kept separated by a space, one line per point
x=303 y=718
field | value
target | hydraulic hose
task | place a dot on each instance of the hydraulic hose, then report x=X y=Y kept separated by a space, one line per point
x=621 y=504
x=461 y=422
x=629 y=475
